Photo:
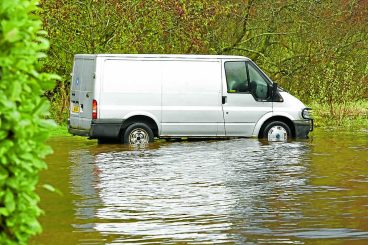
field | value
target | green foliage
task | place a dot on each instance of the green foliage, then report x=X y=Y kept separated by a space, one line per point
x=59 y=102
x=59 y=131
x=349 y=115
x=117 y=26
x=23 y=129
x=306 y=46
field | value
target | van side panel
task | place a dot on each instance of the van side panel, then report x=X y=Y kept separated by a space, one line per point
x=191 y=98
x=81 y=95
x=130 y=87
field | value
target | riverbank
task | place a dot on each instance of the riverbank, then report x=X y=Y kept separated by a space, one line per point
x=349 y=116
x=60 y=130
x=359 y=124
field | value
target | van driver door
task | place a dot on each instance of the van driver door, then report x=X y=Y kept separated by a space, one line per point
x=246 y=97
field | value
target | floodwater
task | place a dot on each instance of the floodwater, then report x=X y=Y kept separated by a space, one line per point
x=238 y=191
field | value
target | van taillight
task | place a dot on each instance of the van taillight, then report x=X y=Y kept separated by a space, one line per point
x=94 y=109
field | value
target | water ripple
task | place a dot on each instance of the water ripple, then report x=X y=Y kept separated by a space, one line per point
x=206 y=192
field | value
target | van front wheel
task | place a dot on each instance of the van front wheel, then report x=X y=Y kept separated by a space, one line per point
x=138 y=134
x=276 y=131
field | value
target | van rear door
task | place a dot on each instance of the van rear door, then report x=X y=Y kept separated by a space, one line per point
x=82 y=95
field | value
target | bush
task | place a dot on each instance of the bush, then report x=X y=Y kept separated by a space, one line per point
x=349 y=115
x=23 y=129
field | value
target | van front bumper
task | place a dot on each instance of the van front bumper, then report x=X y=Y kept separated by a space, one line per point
x=302 y=128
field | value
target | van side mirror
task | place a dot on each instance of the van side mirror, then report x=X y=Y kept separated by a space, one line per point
x=274 y=91
x=275 y=95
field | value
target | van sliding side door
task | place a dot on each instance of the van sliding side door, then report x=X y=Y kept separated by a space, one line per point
x=191 y=98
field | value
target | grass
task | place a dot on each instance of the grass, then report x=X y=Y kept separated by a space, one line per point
x=60 y=130
x=351 y=115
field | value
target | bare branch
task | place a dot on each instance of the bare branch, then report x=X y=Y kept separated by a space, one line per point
x=243 y=31
x=250 y=50
x=266 y=34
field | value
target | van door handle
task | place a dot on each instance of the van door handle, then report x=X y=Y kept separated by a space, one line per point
x=224 y=99
x=87 y=95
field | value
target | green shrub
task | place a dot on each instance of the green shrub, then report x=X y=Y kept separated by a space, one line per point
x=349 y=115
x=23 y=129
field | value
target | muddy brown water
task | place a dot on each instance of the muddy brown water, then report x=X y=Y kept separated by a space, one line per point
x=239 y=191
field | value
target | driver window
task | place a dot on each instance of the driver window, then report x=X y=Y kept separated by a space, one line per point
x=236 y=77
x=258 y=85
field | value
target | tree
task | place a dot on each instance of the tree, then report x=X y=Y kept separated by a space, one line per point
x=316 y=49
x=294 y=41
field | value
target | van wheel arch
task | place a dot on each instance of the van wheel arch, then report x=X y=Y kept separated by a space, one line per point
x=285 y=120
x=139 y=119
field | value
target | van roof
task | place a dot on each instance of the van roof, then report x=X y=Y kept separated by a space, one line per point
x=169 y=56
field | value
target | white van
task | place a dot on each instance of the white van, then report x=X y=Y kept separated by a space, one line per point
x=135 y=98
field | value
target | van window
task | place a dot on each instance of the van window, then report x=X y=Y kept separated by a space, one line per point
x=236 y=77
x=258 y=85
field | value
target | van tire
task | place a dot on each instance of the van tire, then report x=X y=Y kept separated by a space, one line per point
x=276 y=129
x=138 y=133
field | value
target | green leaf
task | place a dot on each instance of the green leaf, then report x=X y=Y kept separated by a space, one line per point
x=52 y=189
x=11 y=35
x=5 y=145
x=4 y=212
x=3 y=134
x=4 y=174
x=9 y=201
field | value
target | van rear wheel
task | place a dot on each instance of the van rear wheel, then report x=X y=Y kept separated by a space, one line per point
x=276 y=131
x=138 y=134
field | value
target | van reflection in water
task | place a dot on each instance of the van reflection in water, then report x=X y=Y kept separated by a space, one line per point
x=209 y=192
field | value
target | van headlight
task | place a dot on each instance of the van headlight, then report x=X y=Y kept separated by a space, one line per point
x=306 y=113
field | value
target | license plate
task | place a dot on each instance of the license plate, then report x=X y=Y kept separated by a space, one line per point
x=75 y=109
